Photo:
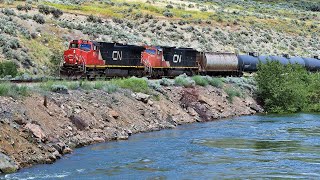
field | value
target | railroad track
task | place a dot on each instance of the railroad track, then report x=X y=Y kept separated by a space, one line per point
x=37 y=80
x=44 y=79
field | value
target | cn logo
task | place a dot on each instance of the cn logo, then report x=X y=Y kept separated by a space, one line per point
x=117 y=55
x=177 y=58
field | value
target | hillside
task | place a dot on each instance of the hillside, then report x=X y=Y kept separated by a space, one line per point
x=33 y=34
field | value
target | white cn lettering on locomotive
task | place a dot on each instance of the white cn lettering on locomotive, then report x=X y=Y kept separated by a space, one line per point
x=177 y=58
x=117 y=55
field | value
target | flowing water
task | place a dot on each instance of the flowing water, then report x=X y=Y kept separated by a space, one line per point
x=240 y=148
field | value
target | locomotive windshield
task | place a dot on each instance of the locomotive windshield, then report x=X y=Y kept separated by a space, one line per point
x=85 y=47
x=73 y=45
x=151 y=51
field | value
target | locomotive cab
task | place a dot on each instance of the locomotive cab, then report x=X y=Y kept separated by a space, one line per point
x=153 y=57
x=83 y=52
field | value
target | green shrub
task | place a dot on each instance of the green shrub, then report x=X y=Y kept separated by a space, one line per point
x=54 y=85
x=94 y=19
x=99 y=84
x=28 y=7
x=200 y=80
x=169 y=6
x=20 y=7
x=39 y=19
x=154 y=85
x=232 y=92
x=72 y=85
x=4 y=89
x=46 y=85
x=44 y=9
x=110 y=88
x=56 y=12
x=59 y=88
x=86 y=85
x=8 y=12
x=288 y=88
x=215 y=82
x=55 y=60
x=133 y=83
x=166 y=82
x=24 y=16
x=156 y=97
x=203 y=9
x=184 y=80
x=168 y=14
x=186 y=15
x=13 y=90
x=8 y=68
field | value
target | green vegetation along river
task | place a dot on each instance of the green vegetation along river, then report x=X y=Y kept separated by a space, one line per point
x=246 y=147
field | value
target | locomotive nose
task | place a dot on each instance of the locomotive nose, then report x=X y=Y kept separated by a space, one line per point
x=69 y=59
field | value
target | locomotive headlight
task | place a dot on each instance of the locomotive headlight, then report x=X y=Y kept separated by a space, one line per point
x=74 y=51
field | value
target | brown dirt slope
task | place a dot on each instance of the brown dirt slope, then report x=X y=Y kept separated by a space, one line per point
x=31 y=133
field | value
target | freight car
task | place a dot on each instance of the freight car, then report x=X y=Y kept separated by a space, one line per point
x=219 y=64
x=92 y=59
x=248 y=63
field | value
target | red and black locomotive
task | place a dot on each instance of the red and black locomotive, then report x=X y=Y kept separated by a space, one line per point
x=92 y=59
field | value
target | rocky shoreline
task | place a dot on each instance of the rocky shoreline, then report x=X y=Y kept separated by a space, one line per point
x=41 y=128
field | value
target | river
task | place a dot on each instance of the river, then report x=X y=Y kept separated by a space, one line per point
x=243 y=147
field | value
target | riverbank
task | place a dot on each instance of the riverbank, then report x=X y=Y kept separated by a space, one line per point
x=38 y=130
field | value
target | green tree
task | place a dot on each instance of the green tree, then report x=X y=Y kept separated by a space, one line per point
x=314 y=93
x=55 y=60
x=8 y=68
x=283 y=88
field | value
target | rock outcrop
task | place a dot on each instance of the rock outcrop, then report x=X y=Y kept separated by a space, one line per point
x=36 y=131
x=7 y=165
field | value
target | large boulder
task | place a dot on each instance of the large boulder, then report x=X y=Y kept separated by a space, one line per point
x=78 y=122
x=7 y=165
x=142 y=97
x=36 y=130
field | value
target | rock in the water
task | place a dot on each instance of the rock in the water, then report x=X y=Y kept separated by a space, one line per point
x=36 y=130
x=142 y=97
x=122 y=137
x=256 y=108
x=7 y=165
x=60 y=146
x=67 y=151
x=98 y=139
x=56 y=154
x=129 y=132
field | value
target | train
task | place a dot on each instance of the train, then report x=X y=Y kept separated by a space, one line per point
x=93 y=59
